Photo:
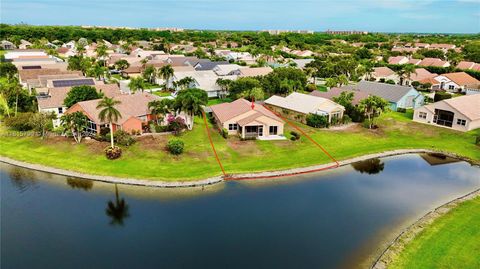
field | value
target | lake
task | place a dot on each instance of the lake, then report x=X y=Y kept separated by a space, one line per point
x=340 y=218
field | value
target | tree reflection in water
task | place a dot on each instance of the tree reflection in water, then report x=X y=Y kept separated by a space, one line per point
x=22 y=178
x=371 y=166
x=79 y=183
x=117 y=210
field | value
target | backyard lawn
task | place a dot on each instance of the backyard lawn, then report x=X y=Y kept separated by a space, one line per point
x=149 y=159
x=451 y=241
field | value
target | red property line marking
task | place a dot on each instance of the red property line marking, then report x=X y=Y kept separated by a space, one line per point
x=211 y=143
x=229 y=177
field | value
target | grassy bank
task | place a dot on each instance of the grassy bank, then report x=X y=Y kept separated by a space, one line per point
x=149 y=159
x=451 y=241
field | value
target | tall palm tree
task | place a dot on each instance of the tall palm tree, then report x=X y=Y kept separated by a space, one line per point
x=224 y=84
x=149 y=73
x=369 y=70
x=406 y=72
x=166 y=72
x=117 y=210
x=161 y=107
x=101 y=51
x=136 y=84
x=109 y=113
x=185 y=82
x=191 y=101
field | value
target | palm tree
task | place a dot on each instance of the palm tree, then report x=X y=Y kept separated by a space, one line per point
x=4 y=105
x=149 y=73
x=109 y=113
x=136 y=84
x=161 y=107
x=191 y=101
x=368 y=70
x=185 y=82
x=406 y=72
x=166 y=72
x=372 y=107
x=144 y=63
x=310 y=72
x=224 y=84
x=101 y=51
x=117 y=210
x=342 y=80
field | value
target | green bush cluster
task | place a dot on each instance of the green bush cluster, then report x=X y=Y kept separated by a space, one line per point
x=317 y=121
x=439 y=96
x=113 y=153
x=295 y=136
x=175 y=146
x=224 y=133
x=21 y=122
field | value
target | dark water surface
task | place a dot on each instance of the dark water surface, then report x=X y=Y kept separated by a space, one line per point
x=333 y=219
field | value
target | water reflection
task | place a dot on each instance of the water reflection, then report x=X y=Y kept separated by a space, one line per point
x=117 y=210
x=438 y=159
x=371 y=166
x=21 y=178
x=80 y=183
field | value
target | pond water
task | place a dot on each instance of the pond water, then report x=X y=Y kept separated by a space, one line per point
x=333 y=219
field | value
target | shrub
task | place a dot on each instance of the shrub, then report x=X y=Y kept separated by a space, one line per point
x=176 y=125
x=113 y=153
x=175 y=146
x=311 y=87
x=317 y=121
x=477 y=140
x=104 y=131
x=21 y=122
x=439 y=96
x=346 y=119
x=224 y=133
x=160 y=128
x=295 y=136
x=123 y=138
x=401 y=110
x=390 y=81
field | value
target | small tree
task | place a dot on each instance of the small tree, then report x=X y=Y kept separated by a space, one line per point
x=76 y=123
x=79 y=94
x=42 y=123
x=122 y=64
x=372 y=107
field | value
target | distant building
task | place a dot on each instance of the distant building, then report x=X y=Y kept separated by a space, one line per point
x=277 y=32
x=347 y=32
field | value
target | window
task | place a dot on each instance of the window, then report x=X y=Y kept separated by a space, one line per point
x=233 y=127
x=461 y=122
x=451 y=87
x=422 y=115
x=273 y=130
x=60 y=110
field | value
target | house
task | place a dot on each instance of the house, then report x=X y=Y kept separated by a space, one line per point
x=252 y=72
x=434 y=62
x=70 y=45
x=459 y=113
x=455 y=82
x=240 y=57
x=225 y=69
x=297 y=106
x=26 y=54
x=26 y=76
x=301 y=63
x=247 y=120
x=398 y=60
x=133 y=109
x=414 y=61
x=52 y=100
x=335 y=92
x=472 y=89
x=443 y=47
x=398 y=96
x=207 y=65
x=24 y=44
x=205 y=80
x=419 y=75
x=7 y=45
x=464 y=65
x=384 y=74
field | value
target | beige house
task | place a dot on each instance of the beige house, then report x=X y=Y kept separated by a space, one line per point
x=297 y=106
x=460 y=113
x=239 y=117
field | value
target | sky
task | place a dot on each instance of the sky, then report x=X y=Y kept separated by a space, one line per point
x=422 y=16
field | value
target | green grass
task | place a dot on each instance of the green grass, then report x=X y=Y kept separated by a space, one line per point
x=322 y=88
x=451 y=241
x=162 y=93
x=153 y=162
x=216 y=101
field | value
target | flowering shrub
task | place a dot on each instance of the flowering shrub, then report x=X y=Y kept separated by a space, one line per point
x=113 y=153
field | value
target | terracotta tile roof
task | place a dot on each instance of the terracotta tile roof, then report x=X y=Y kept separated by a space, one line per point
x=25 y=74
x=382 y=71
x=414 y=61
x=429 y=80
x=227 y=111
x=254 y=72
x=421 y=73
x=432 y=62
x=132 y=105
x=57 y=95
x=396 y=59
x=461 y=78
x=468 y=105
x=465 y=65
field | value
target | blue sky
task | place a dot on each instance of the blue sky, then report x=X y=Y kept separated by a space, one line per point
x=446 y=16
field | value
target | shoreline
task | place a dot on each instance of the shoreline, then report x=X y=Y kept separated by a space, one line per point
x=218 y=179
x=397 y=245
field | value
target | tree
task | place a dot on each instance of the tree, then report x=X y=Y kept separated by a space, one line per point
x=161 y=107
x=136 y=84
x=254 y=94
x=342 y=80
x=97 y=71
x=185 y=82
x=371 y=166
x=472 y=51
x=149 y=73
x=363 y=53
x=406 y=72
x=109 y=113
x=79 y=94
x=122 y=64
x=331 y=82
x=76 y=123
x=166 y=72
x=372 y=107
x=431 y=53
x=42 y=123
x=117 y=210
x=101 y=51
x=191 y=101
x=7 y=69
x=224 y=85
x=4 y=108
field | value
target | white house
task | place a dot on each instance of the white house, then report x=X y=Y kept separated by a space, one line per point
x=456 y=82
x=205 y=80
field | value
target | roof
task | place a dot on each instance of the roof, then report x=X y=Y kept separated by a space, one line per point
x=430 y=80
x=58 y=95
x=204 y=65
x=304 y=103
x=414 y=61
x=34 y=73
x=225 y=69
x=255 y=72
x=389 y=92
x=468 y=105
x=432 y=62
x=396 y=59
x=335 y=92
x=461 y=78
x=420 y=74
x=227 y=111
x=132 y=105
x=301 y=63
x=465 y=65
x=382 y=72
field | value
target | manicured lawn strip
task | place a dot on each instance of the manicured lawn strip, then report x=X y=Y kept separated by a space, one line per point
x=153 y=162
x=216 y=101
x=451 y=241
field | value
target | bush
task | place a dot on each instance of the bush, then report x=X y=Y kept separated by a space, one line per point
x=439 y=96
x=390 y=81
x=224 y=133
x=295 y=136
x=123 y=138
x=317 y=121
x=175 y=146
x=113 y=153
x=346 y=119
x=401 y=110
x=21 y=122
x=311 y=87
x=176 y=125
x=477 y=140
x=415 y=84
